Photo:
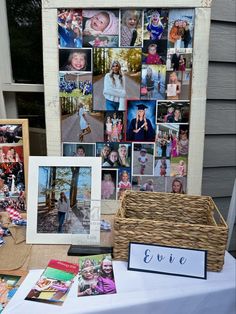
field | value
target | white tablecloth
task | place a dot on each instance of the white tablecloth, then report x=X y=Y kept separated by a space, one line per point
x=142 y=293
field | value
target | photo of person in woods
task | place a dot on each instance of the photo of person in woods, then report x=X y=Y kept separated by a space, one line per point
x=61 y=201
x=116 y=73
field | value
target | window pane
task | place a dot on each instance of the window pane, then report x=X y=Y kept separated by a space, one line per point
x=25 y=28
x=31 y=106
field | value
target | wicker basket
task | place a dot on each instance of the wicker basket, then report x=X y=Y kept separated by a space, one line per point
x=173 y=220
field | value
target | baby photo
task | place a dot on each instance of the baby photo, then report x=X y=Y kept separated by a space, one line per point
x=178 y=85
x=114 y=126
x=148 y=184
x=109 y=183
x=167 y=140
x=116 y=76
x=153 y=81
x=131 y=28
x=155 y=24
x=108 y=41
x=178 y=166
x=180 y=28
x=173 y=111
x=154 y=52
x=162 y=167
x=98 y=23
x=75 y=60
x=69 y=28
x=141 y=120
x=143 y=159
x=78 y=149
x=176 y=185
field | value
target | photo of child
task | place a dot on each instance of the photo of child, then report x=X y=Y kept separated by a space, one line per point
x=109 y=178
x=96 y=275
x=162 y=167
x=124 y=183
x=143 y=161
x=69 y=28
x=131 y=28
x=173 y=111
x=98 y=26
x=178 y=85
x=76 y=60
x=149 y=184
x=178 y=166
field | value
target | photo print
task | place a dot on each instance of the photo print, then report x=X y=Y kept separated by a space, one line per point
x=155 y=24
x=14 y=151
x=100 y=28
x=114 y=155
x=69 y=28
x=109 y=183
x=176 y=185
x=116 y=76
x=114 y=126
x=141 y=120
x=180 y=28
x=143 y=159
x=75 y=60
x=78 y=149
x=173 y=111
x=153 y=81
x=148 y=184
x=167 y=140
x=131 y=32
x=179 y=166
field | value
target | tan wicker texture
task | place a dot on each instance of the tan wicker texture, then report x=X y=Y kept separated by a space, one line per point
x=173 y=220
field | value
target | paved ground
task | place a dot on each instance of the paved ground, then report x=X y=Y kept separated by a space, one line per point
x=149 y=165
x=71 y=129
x=132 y=90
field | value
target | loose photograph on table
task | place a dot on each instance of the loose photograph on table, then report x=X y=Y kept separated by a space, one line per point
x=63 y=199
x=96 y=275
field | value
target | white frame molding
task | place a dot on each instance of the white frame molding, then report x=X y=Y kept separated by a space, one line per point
x=199 y=74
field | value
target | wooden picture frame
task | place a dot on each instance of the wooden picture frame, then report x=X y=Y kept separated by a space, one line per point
x=202 y=9
x=14 y=153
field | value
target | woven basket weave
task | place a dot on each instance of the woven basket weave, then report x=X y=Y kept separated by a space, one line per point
x=173 y=220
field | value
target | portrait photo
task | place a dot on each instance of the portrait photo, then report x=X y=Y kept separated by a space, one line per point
x=143 y=159
x=116 y=77
x=141 y=124
x=75 y=60
x=131 y=29
x=153 y=81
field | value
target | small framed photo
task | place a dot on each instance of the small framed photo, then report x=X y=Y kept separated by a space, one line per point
x=14 y=152
x=64 y=198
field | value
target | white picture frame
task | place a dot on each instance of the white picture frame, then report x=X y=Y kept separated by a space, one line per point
x=202 y=10
x=91 y=167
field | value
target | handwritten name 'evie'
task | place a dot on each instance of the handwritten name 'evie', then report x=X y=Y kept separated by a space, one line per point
x=167 y=260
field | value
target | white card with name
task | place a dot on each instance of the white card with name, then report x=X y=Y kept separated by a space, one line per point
x=167 y=260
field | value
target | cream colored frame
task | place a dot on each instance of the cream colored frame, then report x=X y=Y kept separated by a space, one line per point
x=199 y=75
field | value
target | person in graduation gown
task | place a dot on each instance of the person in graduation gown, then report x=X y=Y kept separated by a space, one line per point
x=140 y=128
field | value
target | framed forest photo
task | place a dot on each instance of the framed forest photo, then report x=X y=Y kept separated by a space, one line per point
x=64 y=198
x=130 y=82
x=14 y=153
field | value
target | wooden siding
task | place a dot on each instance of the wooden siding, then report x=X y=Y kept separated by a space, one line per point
x=222 y=42
x=224 y=10
x=220 y=117
x=220 y=128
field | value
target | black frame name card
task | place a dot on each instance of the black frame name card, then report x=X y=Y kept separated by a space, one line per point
x=167 y=260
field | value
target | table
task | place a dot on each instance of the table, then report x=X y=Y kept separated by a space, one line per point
x=142 y=293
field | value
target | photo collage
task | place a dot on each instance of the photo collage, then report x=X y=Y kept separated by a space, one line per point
x=12 y=182
x=125 y=91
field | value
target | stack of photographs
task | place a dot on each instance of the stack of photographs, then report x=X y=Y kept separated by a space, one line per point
x=125 y=91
